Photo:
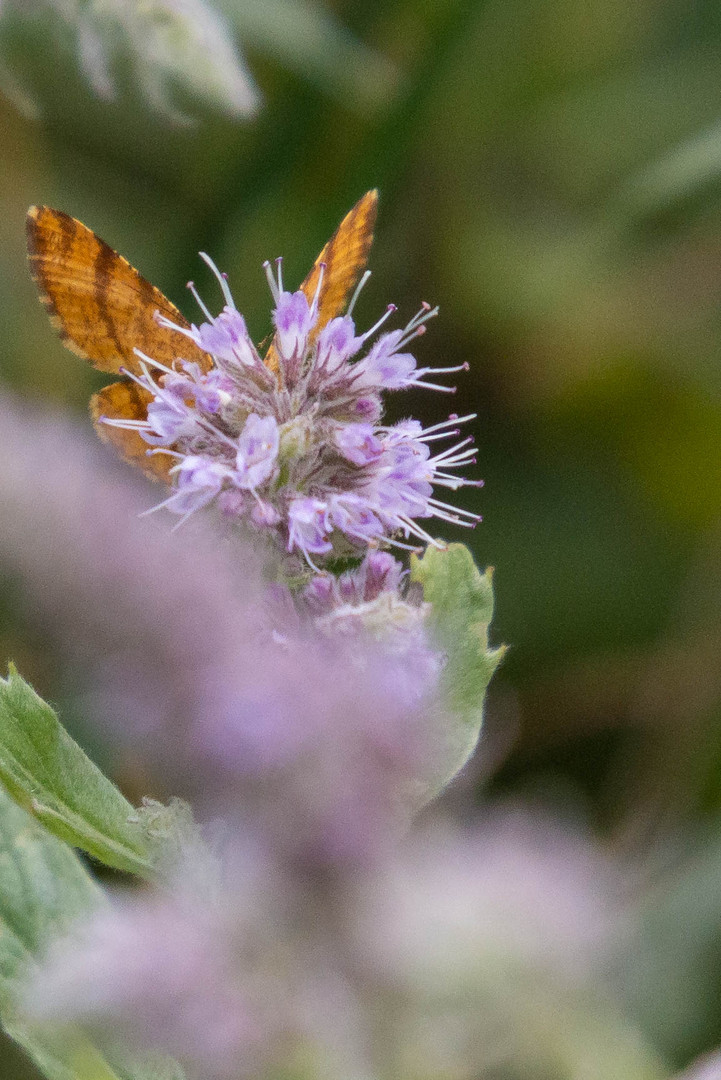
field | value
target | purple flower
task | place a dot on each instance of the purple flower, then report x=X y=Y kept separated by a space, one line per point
x=264 y=515
x=198 y=481
x=169 y=420
x=354 y=516
x=157 y=973
x=358 y=443
x=302 y=433
x=293 y=318
x=337 y=343
x=322 y=738
x=309 y=525
x=226 y=337
x=257 y=451
x=384 y=367
x=378 y=573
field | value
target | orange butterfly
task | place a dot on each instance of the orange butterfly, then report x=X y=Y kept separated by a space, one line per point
x=104 y=309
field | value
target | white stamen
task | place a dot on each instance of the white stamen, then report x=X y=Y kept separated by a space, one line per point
x=143 y=381
x=155 y=363
x=163 y=450
x=468 y=457
x=454 y=509
x=357 y=292
x=130 y=425
x=439 y=435
x=442 y=370
x=413 y=527
x=398 y=544
x=453 y=519
x=369 y=333
x=432 y=386
x=272 y=283
x=222 y=281
x=319 y=286
x=158 y=506
x=452 y=449
x=162 y=320
x=309 y=560
x=189 y=332
x=451 y=420
x=199 y=302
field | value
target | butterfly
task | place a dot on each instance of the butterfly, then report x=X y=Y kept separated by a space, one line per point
x=104 y=309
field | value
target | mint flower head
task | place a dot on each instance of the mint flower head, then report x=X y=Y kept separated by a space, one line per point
x=294 y=443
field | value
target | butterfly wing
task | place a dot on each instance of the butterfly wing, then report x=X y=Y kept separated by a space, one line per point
x=99 y=304
x=128 y=401
x=345 y=257
x=104 y=309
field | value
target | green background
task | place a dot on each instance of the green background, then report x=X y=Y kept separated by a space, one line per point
x=550 y=175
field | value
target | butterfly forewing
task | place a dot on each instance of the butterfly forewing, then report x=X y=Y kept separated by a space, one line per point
x=101 y=306
x=345 y=257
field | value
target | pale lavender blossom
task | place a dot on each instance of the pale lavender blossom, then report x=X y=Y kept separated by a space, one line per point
x=156 y=973
x=232 y=693
x=453 y=940
x=309 y=526
x=325 y=740
x=379 y=573
x=293 y=318
x=226 y=337
x=359 y=443
x=257 y=451
x=198 y=481
x=307 y=438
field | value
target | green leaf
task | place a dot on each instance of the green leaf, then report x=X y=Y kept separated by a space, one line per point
x=52 y=778
x=44 y=891
x=461 y=600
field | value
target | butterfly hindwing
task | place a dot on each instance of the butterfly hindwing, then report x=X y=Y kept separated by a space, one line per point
x=101 y=306
x=128 y=401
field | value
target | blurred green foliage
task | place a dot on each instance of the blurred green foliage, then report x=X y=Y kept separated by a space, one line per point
x=550 y=174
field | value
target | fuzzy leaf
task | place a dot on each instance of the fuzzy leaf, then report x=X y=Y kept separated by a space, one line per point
x=44 y=890
x=461 y=601
x=48 y=774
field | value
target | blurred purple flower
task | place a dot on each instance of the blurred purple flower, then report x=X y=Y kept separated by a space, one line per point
x=323 y=746
x=143 y=611
x=242 y=703
x=452 y=942
x=157 y=974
